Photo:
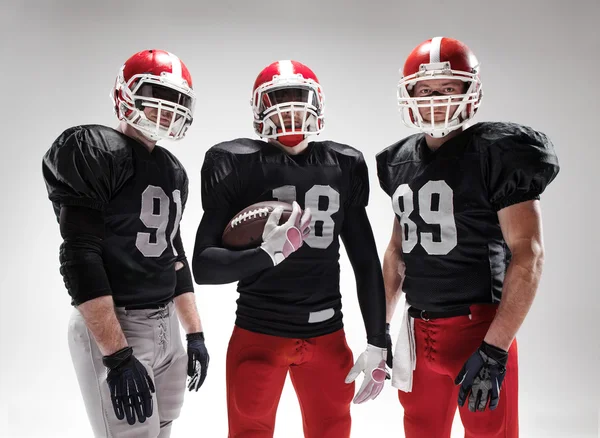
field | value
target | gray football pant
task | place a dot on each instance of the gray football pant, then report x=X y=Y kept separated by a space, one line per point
x=155 y=338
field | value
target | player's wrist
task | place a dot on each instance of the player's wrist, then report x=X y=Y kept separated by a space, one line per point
x=264 y=259
x=113 y=347
x=495 y=353
x=498 y=339
x=197 y=336
x=378 y=341
x=273 y=256
x=118 y=358
x=375 y=351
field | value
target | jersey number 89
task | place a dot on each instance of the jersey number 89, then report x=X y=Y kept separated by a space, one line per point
x=442 y=216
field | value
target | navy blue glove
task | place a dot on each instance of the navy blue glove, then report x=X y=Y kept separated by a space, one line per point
x=481 y=377
x=130 y=386
x=197 y=360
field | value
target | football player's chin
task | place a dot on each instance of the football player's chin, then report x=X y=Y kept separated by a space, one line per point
x=165 y=122
x=288 y=127
x=437 y=118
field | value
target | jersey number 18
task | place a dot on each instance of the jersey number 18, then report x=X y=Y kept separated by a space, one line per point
x=322 y=224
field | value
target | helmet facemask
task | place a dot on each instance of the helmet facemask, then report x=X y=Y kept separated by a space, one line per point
x=288 y=107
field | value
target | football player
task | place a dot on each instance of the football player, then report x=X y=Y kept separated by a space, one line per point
x=466 y=246
x=119 y=197
x=289 y=312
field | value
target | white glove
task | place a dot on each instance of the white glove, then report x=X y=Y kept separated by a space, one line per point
x=279 y=241
x=372 y=363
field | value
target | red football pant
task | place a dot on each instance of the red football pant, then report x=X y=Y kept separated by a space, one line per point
x=443 y=346
x=257 y=366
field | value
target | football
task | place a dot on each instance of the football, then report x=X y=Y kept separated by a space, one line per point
x=245 y=229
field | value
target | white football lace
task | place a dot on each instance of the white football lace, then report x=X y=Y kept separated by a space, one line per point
x=250 y=214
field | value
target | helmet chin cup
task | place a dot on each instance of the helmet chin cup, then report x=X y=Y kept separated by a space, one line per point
x=147 y=133
x=292 y=140
x=440 y=130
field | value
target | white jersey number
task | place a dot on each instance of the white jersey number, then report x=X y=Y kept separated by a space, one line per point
x=322 y=225
x=443 y=215
x=155 y=214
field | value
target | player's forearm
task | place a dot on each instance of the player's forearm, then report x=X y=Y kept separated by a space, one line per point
x=371 y=299
x=187 y=312
x=101 y=320
x=359 y=242
x=520 y=286
x=215 y=265
x=393 y=274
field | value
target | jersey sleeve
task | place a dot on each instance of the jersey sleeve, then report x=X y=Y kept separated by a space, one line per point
x=80 y=173
x=382 y=172
x=184 y=190
x=361 y=248
x=518 y=167
x=220 y=188
x=359 y=183
x=220 y=180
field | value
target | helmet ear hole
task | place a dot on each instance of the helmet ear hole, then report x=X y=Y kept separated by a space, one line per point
x=412 y=115
x=115 y=100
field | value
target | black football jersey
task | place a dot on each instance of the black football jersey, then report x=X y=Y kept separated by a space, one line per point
x=447 y=202
x=299 y=297
x=142 y=195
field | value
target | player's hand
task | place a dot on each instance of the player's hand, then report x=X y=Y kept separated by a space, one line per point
x=130 y=386
x=198 y=359
x=388 y=345
x=279 y=241
x=372 y=363
x=481 y=377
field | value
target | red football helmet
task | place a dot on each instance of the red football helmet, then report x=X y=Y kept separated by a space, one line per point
x=287 y=102
x=158 y=81
x=440 y=58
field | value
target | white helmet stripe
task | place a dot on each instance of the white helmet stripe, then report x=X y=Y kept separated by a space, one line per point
x=435 y=48
x=286 y=68
x=175 y=65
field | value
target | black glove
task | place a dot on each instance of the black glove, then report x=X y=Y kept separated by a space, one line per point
x=481 y=377
x=197 y=360
x=388 y=344
x=130 y=386
x=388 y=347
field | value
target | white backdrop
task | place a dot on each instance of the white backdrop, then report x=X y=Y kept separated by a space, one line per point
x=59 y=59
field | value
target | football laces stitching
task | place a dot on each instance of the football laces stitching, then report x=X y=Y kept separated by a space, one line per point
x=249 y=215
